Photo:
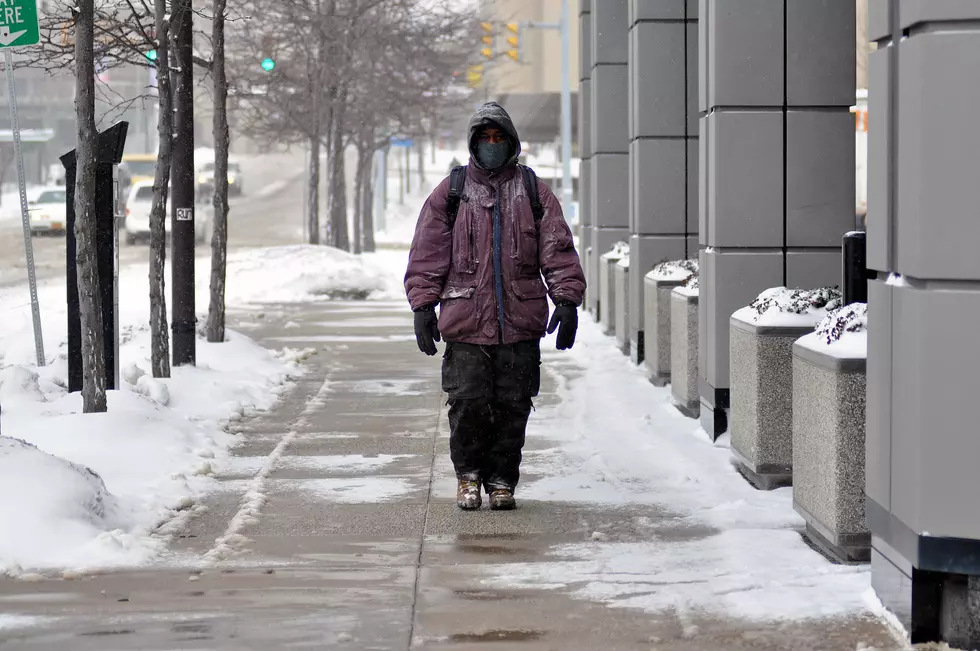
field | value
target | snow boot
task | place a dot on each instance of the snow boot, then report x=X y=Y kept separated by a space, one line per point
x=502 y=500
x=468 y=495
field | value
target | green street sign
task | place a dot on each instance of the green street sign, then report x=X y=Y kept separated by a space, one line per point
x=18 y=23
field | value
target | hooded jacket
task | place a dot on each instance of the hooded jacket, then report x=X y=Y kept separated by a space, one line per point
x=493 y=269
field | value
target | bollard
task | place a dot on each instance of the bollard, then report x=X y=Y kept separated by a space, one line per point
x=855 y=273
x=110 y=150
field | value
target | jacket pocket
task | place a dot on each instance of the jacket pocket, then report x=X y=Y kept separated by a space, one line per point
x=529 y=313
x=458 y=316
x=464 y=249
x=525 y=233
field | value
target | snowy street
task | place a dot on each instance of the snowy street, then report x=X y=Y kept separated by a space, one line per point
x=332 y=524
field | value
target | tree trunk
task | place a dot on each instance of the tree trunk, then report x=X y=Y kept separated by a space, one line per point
x=421 y=165
x=93 y=341
x=358 y=204
x=159 y=332
x=219 y=237
x=313 y=199
x=367 y=200
x=329 y=234
x=338 y=183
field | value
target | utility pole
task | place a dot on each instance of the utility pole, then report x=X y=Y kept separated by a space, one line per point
x=564 y=27
x=566 y=106
x=182 y=187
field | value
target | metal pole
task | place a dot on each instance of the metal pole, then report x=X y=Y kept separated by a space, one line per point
x=182 y=183
x=8 y=63
x=566 y=106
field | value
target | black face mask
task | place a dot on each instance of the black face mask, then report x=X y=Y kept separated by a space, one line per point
x=492 y=155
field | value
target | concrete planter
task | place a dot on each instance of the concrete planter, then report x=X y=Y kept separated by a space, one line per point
x=607 y=290
x=621 y=287
x=828 y=450
x=656 y=323
x=762 y=400
x=684 y=351
x=587 y=259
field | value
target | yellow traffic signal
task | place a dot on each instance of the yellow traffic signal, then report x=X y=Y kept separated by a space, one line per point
x=474 y=76
x=514 y=41
x=487 y=39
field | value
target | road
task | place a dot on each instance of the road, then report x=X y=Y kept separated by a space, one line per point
x=271 y=213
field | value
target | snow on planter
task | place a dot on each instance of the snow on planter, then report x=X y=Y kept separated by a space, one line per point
x=659 y=283
x=607 y=286
x=829 y=380
x=684 y=347
x=761 y=349
x=621 y=287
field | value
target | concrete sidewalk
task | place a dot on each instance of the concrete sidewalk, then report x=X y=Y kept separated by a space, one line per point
x=336 y=527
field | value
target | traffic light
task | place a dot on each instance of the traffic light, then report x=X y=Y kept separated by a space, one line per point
x=487 y=39
x=268 y=49
x=514 y=41
x=474 y=76
x=152 y=55
x=268 y=64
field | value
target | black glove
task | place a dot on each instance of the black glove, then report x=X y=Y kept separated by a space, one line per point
x=565 y=314
x=427 y=329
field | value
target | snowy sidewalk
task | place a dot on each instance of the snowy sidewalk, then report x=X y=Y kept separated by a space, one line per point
x=334 y=525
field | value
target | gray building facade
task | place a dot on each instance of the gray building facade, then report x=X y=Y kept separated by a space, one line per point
x=776 y=187
x=609 y=131
x=663 y=147
x=924 y=306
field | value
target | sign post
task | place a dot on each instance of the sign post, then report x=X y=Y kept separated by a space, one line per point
x=19 y=27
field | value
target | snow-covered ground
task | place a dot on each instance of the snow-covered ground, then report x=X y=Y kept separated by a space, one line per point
x=88 y=491
x=723 y=547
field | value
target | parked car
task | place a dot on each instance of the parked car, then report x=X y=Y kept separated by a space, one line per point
x=138 y=207
x=236 y=179
x=48 y=211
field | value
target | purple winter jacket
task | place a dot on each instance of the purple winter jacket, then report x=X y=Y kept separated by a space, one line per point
x=455 y=266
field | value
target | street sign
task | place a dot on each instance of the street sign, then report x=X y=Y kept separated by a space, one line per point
x=18 y=23
x=397 y=142
x=185 y=214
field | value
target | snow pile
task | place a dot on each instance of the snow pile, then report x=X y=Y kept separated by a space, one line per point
x=681 y=533
x=691 y=287
x=843 y=333
x=619 y=251
x=153 y=449
x=624 y=262
x=674 y=270
x=787 y=308
x=304 y=273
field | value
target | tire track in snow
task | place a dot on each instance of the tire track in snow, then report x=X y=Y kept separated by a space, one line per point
x=255 y=497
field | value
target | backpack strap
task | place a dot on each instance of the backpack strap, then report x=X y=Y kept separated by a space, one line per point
x=457 y=179
x=531 y=188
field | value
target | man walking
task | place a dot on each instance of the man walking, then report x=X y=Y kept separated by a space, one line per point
x=484 y=238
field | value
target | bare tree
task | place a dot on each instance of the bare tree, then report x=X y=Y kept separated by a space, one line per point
x=93 y=341
x=159 y=334
x=219 y=238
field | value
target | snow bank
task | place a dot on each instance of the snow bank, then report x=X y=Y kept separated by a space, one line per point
x=787 y=308
x=674 y=270
x=843 y=333
x=305 y=273
x=153 y=450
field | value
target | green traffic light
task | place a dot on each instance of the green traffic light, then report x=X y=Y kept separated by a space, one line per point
x=268 y=65
x=152 y=55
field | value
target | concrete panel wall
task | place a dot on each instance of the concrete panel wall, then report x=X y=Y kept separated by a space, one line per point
x=923 y=353
x=610 y=168
x=663 y=134
x=587 y=221
x=776 y=159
